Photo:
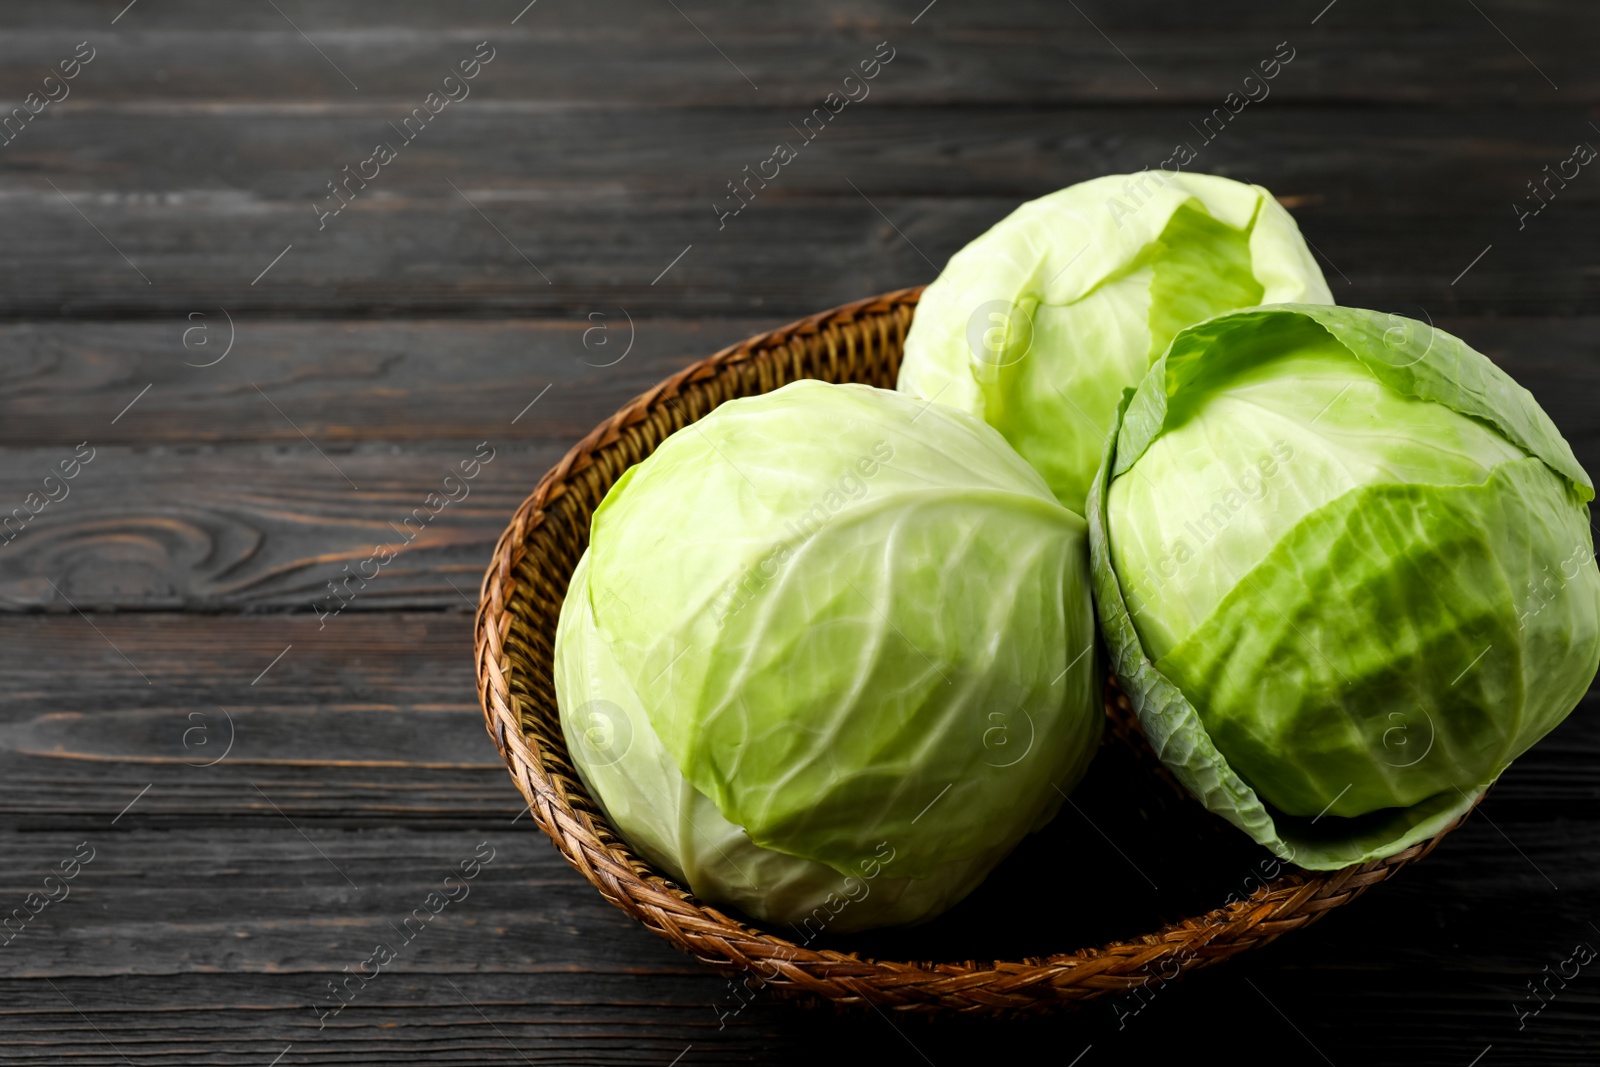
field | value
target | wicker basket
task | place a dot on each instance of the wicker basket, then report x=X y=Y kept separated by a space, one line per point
x=521 y=598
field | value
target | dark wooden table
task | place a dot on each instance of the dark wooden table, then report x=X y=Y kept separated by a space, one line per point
x=250 y=790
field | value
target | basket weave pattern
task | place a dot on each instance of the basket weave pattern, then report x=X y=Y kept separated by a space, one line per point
x=515 y=635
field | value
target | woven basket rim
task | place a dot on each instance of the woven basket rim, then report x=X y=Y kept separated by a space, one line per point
x=730 y=945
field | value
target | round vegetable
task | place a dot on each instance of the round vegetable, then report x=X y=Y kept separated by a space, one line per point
x=1344 y=566
x=829 y=656
x=1039 y=324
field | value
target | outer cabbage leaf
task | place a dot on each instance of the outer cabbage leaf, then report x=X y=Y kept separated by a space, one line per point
x=1472 y=600
x=854 y=621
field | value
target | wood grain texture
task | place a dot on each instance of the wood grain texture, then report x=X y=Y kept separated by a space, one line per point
x=341 y=382
x=199 y=150
x=1433 y=52
x=588 y=209
x=211 y=920
x=372 y=719
x=263 y=526
x=525 y=1019
x=227 y=935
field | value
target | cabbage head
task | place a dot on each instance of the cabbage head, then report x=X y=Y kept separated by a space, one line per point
x=1344 y=567
x=830 y=655
x=1039 y=324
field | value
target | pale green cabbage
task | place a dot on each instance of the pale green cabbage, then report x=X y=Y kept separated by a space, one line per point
x=830 y=655
x=1344 y=567
x=1039 y=324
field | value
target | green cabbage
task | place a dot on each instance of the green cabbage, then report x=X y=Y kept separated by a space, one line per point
x=1039 y=324
x=1344 y=567
x=829 y=656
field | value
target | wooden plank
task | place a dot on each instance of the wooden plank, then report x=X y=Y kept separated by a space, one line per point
x=584 y=211
x=550 y=160
x=265 y=526
x=372 y=719
x=342 y=382
x=264 y=899
x=578 y=1018
x=955 y=54
x=350 y=381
